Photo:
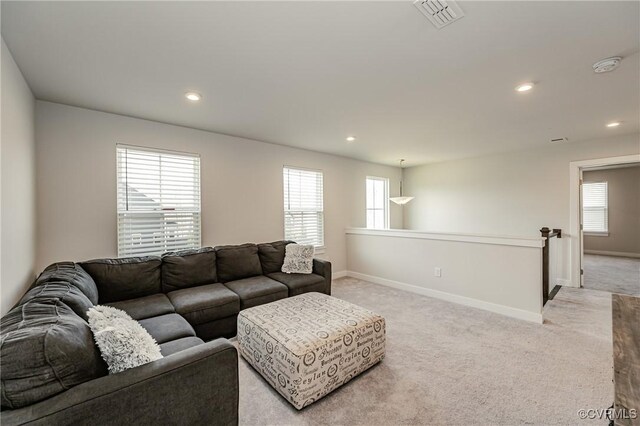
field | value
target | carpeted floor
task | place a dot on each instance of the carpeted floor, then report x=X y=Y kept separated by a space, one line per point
x=449 y=364
x=612 y=274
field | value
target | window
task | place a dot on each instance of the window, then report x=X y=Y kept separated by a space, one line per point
x=158 y=201
x=594 y=207
x=303 y=206
x=377 y=203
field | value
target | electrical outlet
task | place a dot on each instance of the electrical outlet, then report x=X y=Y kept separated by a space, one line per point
x=437 y=272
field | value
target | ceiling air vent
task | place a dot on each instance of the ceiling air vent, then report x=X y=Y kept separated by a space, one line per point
x=440 y=12
x=559 y=140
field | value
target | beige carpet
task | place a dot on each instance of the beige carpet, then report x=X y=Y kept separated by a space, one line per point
x=612 y=274
x=455 y=365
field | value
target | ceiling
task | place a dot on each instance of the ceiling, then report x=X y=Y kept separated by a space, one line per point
x=308 y=74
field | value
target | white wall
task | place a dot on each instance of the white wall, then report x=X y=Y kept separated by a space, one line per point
x=242 y=195
x=473 y=268
x=508 y=194
x=17 y=182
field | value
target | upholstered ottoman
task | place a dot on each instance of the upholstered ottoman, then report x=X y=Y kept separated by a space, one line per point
x=306 y=346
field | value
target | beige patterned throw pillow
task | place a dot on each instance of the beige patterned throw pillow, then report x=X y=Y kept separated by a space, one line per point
x=298 y=259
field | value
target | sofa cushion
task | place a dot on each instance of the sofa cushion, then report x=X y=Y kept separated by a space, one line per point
x=272 y=256
x=46 y=349
x=145 y=307
x=300 y=283
x=205 y=303
x=188 y=268
x=167 y=327
x=223 y=327
x=258 y=290
x=123 y=342
x=237 y=262
x=66 y=293
x=126 y=278
x=179 y=345
x=71 y=273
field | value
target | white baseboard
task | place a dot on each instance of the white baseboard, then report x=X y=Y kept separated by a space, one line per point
x=339 y=274
x=612 y=253
x=564 y=282
x=449 y=297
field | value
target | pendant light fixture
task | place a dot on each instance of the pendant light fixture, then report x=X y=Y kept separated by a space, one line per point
x=401 y=200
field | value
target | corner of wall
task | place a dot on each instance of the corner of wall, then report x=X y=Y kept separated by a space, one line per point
x=17 y=183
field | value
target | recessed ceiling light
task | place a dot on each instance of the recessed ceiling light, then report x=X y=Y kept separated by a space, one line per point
x=525 y=87
x=613 y=124
x=193 y=96
x=351 y=138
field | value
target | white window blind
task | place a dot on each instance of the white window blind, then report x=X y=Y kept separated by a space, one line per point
x=158 y=201
x=303 y=206
x=377 y=203
x=594 y=207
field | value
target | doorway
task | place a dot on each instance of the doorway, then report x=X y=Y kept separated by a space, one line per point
x=611 y=228
x=606 y=221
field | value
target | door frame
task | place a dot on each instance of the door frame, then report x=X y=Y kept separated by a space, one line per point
x=575 y=176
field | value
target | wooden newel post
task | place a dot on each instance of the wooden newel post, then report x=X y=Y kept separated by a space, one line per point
x=545 y=265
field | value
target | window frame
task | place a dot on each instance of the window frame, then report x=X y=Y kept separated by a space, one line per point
x=195 y=212
x=385 y=208
x=596 y=233
x=319 y=249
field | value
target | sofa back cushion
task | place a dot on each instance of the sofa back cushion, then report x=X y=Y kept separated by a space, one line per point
x=272 y=256
x=188 y=268
x=66 y=293
x=71 y=273
x=237 y=262
x=126 y=278
x=46 y=349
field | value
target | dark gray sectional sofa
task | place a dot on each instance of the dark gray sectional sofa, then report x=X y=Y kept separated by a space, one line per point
x=52 y=372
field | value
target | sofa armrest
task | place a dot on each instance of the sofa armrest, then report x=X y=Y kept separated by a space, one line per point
x=198 y=385
x=323 y=267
